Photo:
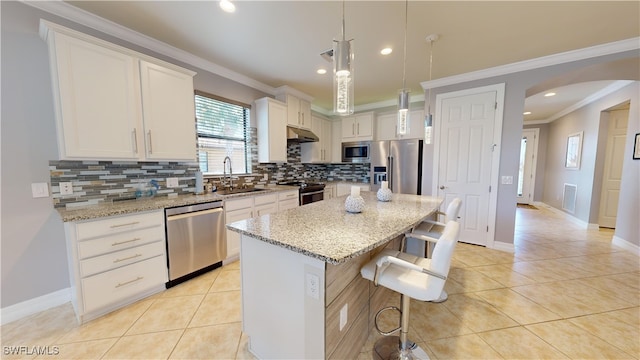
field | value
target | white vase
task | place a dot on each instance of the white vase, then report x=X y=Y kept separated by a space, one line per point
x=384 y=194
x=354 y=204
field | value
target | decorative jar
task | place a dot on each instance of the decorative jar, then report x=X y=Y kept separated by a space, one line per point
x=354 y=204
x=384 y=194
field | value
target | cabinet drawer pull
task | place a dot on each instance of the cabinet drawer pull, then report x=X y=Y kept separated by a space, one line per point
x=124 y=242
x=129 y=282
x=127 y=224
x=127 y=258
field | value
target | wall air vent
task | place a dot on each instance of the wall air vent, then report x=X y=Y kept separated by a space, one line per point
x=569 y=195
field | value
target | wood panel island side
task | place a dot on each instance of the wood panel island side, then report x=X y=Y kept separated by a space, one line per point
x=302 y=293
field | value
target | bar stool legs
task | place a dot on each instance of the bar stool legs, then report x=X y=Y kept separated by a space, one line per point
x=398 y=347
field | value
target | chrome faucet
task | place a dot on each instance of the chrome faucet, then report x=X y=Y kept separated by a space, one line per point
x=224 y=171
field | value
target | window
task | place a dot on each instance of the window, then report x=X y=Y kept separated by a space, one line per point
x=222 y=131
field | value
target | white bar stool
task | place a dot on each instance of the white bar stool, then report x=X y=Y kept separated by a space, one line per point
x=413 y=277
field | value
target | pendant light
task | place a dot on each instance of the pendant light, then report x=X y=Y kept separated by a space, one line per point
x=428 y=119
x=343 y=75
x=403 y=96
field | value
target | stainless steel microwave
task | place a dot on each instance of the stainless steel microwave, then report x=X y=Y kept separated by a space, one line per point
x=356 y=152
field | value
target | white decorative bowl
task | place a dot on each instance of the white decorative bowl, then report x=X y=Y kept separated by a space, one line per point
x=354 y=204
x=384 y=194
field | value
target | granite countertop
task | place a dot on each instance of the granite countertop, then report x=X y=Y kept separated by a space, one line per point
x=154 y=203
x=325 y=231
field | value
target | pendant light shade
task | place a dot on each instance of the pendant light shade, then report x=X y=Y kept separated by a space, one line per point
x=428 y=129
x=403 y=97
x=343 y=78
x=343 y=103
x=403 y=112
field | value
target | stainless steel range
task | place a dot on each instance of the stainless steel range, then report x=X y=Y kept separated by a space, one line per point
x=308 y=191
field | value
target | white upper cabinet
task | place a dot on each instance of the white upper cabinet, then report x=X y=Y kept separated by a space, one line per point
x=387 y=126
x=298 y=111
x=115 y=104
x=169 y=113
x=319 y=151
x=271 y=116
x=357 y=127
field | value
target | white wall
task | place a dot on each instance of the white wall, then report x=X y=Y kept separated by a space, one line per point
x=517 y=86
x=33 y=258
x=593 y=122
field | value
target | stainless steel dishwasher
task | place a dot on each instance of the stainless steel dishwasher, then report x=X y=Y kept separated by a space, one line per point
x=196 y=240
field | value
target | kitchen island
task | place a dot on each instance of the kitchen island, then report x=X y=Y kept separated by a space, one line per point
x=302 y=293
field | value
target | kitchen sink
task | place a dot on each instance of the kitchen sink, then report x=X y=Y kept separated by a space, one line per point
x=238 y=191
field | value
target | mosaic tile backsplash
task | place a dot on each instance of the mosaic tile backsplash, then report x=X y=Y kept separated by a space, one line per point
x=108 y=181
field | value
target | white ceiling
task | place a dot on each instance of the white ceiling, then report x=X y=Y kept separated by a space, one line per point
x=279 y=42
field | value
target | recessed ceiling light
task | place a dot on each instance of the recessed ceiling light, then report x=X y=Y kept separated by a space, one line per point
x=227 y=6
x=526 y=113
x=386 y=51
x=321 y=71
x=549 y=94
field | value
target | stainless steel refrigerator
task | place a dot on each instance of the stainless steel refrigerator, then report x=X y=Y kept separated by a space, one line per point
x=400 y=163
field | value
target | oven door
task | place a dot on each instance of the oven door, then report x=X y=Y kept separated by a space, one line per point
x=308 y=198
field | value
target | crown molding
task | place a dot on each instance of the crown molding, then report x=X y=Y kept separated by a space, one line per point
x=589 y=99
x=555 y=59
x=286 y=89
x=71 y=13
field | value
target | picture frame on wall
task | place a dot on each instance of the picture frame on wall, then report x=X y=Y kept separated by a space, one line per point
x=574 y=151
x=636 y=147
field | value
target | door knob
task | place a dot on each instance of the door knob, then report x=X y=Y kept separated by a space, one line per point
x=442 y=187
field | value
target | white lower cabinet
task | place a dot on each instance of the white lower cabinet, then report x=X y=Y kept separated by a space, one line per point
x=115 y=261
x=112 y=287
x=253 y=206
x=288 y=200
x=329 y=191
x=236 y=210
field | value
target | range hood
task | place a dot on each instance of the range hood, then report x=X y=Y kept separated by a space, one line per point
x=300 y=135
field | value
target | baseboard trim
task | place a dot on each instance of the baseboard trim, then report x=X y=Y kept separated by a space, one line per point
x=573 y=219
x=503 y=246
x=29 y=307
x=620 y=242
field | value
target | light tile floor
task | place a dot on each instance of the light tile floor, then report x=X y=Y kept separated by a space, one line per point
x=566 y=293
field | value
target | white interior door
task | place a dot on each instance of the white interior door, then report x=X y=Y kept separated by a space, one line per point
x=527 y=173
x=614 y=158
x=465 y=152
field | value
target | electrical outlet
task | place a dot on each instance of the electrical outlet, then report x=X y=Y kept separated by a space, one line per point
x=344 y=316
x=313 y=286
x=66 y=188
x=507 y=180
x=172 y=182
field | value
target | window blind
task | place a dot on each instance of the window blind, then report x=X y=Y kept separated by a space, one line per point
x=222 y=131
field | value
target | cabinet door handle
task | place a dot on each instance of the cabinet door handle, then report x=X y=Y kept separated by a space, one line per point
x=358 y=128
x=353 y=129
x=150 y=146
x=127 y=224
x=124 y=242
x=130 y=281
x=135 y=141
x=127 y=258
